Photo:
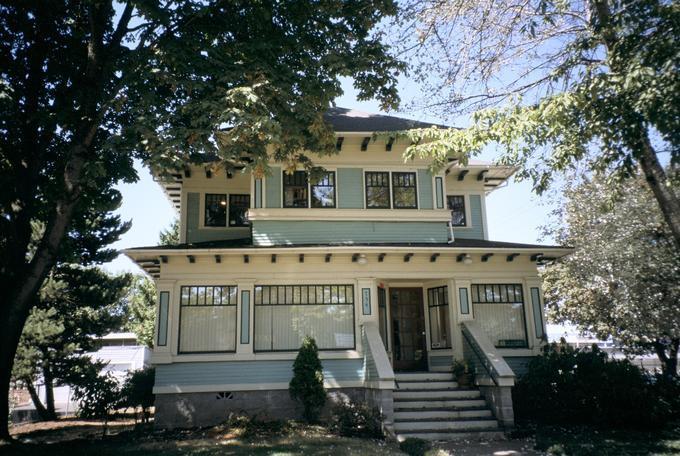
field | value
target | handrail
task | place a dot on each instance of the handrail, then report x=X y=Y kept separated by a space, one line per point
x=374 y=350
x=487 y=354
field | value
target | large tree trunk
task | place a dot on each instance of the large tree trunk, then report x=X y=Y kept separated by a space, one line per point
x=668 y=355
x=43 y=412
x=49 y=390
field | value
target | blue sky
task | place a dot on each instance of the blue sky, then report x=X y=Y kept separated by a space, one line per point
x=514 y=212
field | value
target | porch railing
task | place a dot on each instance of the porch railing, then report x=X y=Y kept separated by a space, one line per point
x=378 y=371
x=480 y=352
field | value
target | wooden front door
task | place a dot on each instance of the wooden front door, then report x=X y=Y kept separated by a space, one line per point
x=408 y=329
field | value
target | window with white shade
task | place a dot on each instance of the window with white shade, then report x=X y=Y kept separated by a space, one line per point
x=499 y=309
x=207 y=319
x=285 y=314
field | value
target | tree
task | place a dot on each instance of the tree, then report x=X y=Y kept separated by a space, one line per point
x=89 y=85
x=75 y=305
x=140 y=302
x=98 y=393
x=137 y=390
x=306 y=386
x=576 y=77
x=623 y=278
x=170 y=236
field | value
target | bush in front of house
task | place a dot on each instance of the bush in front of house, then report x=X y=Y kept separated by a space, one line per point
x=306 y=386
x=351 y=419
x=414 y=447
x=583 y=386
x=137 y=390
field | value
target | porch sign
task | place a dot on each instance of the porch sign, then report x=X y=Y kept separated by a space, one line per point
x=366 y=300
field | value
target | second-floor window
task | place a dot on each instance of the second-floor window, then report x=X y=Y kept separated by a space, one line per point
x=322 y=190
x=456 y=205
x=238 y=210
x=295 y=189
x=377 y=190
x=404 y=193
x=215 y=209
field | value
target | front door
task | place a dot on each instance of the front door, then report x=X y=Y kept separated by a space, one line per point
x=408 y=329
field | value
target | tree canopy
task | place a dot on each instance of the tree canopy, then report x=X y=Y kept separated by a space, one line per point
x=86 y=86
x=623 y=278
x=555 y=84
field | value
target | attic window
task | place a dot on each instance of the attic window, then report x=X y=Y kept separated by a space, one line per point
x=215 y=209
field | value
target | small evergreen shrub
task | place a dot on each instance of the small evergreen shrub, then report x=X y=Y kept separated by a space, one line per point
x=414 y=447
x=583 y=386
x=306 y=386
x=357 y=420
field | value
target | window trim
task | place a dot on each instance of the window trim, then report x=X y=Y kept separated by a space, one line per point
x=179 y=319
x=229 y=206
x=390 y=187
x=255 y=305
x=447 y=304
x=205 y=210
x=328 y=169
x=415 y=188
x=473 y=301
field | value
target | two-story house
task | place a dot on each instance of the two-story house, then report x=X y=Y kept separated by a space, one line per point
x=387 y=266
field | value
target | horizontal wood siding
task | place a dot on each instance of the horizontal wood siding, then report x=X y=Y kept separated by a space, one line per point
x=273 y=188
x=350 y=189
x=441 y=361
x=518 y=364
x=250 y=372
x=271 y=232
x=195 y=234
x=476 y=231
x=425 y=189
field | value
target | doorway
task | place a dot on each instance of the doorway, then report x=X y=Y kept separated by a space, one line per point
x=408 y=329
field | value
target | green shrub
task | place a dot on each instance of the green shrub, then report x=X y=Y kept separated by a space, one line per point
x=583 y=386
x=357 y=420
x=138 y=390
x=414 y=447
x=306 y=386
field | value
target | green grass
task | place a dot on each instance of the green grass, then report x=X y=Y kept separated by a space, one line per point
x=586 y=441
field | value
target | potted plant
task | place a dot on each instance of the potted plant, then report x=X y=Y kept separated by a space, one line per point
x=462 y=373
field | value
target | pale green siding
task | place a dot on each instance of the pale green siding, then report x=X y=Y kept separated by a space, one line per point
x=250 y=372
x=476 y=231
x=350 y=189
x=196 y=234
x=273 y=188
x=441 y=361
x=318 y=232
x=425 y=189
x=518 y=364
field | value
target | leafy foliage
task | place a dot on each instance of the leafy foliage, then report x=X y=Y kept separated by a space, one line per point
x=593 y=83
x=140 y=302
x=583 y=386
x=170 y=236
x=623 y=278
x=414 y=447
x=306 y=386
x=351 y=419
x=97 y=393
x=137 y=390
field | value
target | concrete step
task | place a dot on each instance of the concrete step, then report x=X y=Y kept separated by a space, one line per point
x=441 y=414
x=438 y=404
x=436 y=394
x=423 y=376
x=431 y=384
x=453 y=435
x=453 y=425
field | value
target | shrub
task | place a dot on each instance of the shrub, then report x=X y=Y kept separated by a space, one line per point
x=306 y=386
x=98 y=394
x=138 y=390
x=414 y=447
x=357 y=420
x=573 y=386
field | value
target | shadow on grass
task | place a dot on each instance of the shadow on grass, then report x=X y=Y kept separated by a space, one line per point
x=587 y=441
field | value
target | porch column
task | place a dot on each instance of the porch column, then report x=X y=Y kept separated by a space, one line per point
x=366 y=305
